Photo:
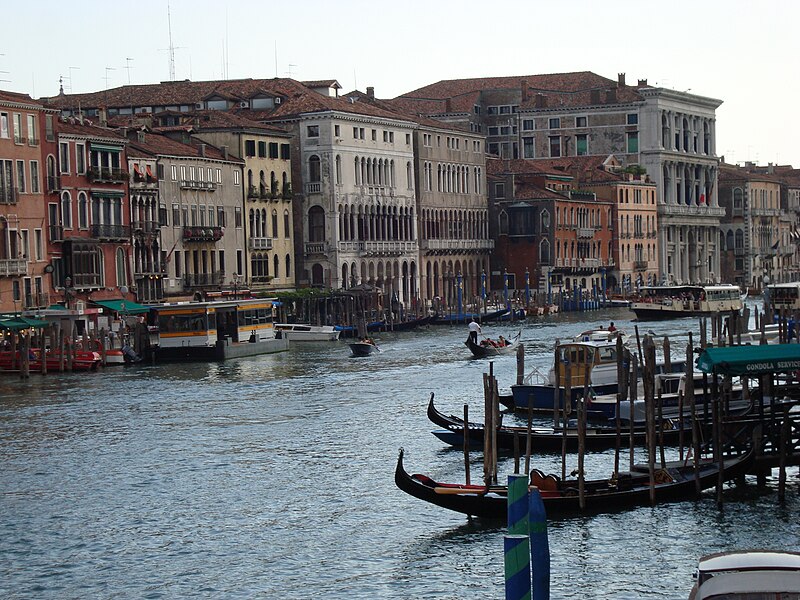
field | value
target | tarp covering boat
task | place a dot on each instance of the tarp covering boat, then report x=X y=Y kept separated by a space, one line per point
x=750 y=360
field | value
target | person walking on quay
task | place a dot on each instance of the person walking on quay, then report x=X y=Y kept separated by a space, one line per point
x=474 y=330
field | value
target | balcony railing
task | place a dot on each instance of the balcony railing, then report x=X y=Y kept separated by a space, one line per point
x=202 y=234
x=313 y=188
x=98 y=174
x=379 y=247
x=56 y=233
x=456 y=245
x=316 y=248
x=8 y=195
x=194 y=280
x=53 y=184
x=190 y=184
x=585 y=232
x=103 y=231
x=252 y=193
x=36 y=300
x=86 y=280
x=33 y=141
x=260 y=243
x=738 y=251
x=10 y=267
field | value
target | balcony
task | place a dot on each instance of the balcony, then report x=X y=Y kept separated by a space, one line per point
x=456 y=245
x=395 y=247
x=33 y=141
x=682 y=210
x=110 y=232
x=318 y=247
x=195 y=280
x=8 y=195
x=314 y=188
x=86 y=280
x=585 y=232
x=739 y=251
x=53 y=184
x=202 y=234
x=253 y=193
x=56 y=233
x=640 y=265
x=190 y=184
x=260 y=243
x=104 y=175
x=145 y=226
x=35 y=300
x=10 y=267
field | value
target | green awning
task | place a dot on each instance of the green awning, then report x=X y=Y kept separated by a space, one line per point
x=17 y=323
x=105 y=147
x=123 y=306
x=750 y=360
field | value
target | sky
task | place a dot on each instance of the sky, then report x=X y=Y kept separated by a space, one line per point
x=741 y=52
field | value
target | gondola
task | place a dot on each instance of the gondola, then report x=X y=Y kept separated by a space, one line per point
x=483 y=351
x=673 y=483
x=545 y=439
x=363 y=348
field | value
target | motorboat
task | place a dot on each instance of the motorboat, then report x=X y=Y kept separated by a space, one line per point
x=302 y=332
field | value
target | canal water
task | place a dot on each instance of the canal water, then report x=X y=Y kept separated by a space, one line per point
x=272 y=476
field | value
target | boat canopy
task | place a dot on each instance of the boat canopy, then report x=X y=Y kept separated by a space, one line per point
x=750 y=360
x=123 y=306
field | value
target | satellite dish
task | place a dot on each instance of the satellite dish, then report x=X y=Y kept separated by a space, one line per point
x=123 y=289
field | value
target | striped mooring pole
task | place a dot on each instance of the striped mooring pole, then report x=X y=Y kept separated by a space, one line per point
x=516 y=546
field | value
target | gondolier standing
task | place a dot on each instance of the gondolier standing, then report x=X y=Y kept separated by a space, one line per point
x=474 y=330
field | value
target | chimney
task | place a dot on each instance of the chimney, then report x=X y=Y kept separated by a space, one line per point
x=611 y=96
x=101 y=112
x=448 y=105
x=541 y=101
x=642 y=82
x=224 y=152
x=594 y=96
x=620 y=79
x=202 y=149
x=140 y=136
x=370 y=92
x=523 y=84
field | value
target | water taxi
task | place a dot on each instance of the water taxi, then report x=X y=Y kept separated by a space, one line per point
x=218 y=330
x=746 y=574
x=783 y=296
x=675 y=301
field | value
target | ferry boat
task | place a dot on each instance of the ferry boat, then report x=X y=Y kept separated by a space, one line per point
x=675 y=301
x=301 y=332
x=783 y=296
x=218 y=330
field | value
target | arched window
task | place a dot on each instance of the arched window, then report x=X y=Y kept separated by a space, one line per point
x=66 y=210
x=316 y=224
x=83 y=211
x=287 y=227
x=410 y=175
x=739 y=238
x=288 y=265
x=314 y=170
x=338 y=169
x=122 y=271
x=274 y=223
x=503 y=222
x=544 y=252
x=728 y=240
x=276 y=264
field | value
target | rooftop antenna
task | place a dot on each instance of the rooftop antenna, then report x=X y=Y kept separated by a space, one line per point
x=227 y=55
x=71 y=69
x=171 y=47
x=355 y=80
x=289 y=72
x=128 y=68
x=276 y=59
x=106 y=75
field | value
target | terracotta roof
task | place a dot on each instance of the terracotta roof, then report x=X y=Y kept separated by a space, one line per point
x=400 y=109
x=736 y=173
x=331 y=83
x=558 y=89
x=17 y=97
x=156 y=144
x=73 y=126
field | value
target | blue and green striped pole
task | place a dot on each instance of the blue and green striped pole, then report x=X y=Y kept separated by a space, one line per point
x=517 y=553
x=540 y=548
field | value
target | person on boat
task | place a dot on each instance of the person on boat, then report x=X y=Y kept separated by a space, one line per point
x=611 y=327
x=502 y=341
x=474 y=330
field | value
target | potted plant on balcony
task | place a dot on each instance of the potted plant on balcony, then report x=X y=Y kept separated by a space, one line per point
x=287 y=191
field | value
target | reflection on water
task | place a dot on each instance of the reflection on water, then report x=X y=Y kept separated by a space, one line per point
x=274 y=475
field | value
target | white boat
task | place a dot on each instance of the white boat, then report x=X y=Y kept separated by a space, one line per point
x=675 y=301
x=601 y=335
x=300 y=332
x=752 y=337
x=747 y=575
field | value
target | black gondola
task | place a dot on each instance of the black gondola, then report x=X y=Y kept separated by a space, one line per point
x=673 y=483
x=545 y=439
x=486 y=350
